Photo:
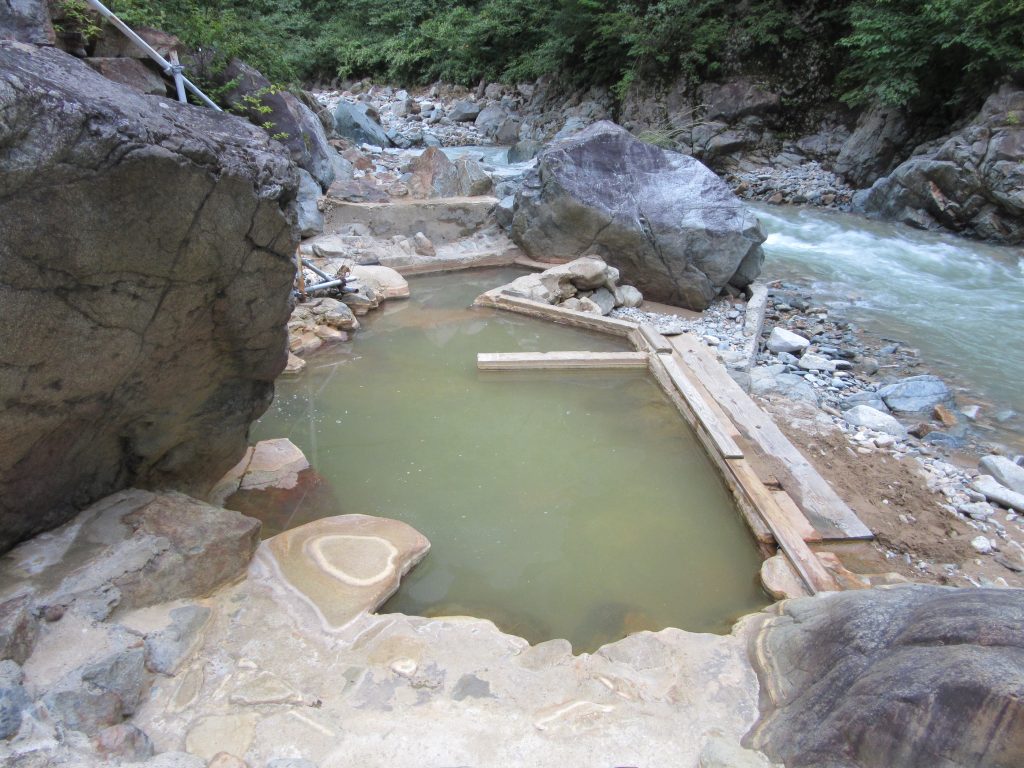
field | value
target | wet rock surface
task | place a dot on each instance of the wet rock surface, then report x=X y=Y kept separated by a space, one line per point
x=141 y=337
x=909 y=676
x=130 y=550
x=347 y=565
x=454 y=687
x=972 y=182
x=672 y=228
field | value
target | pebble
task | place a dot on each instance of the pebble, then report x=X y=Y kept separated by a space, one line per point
x=982 y=545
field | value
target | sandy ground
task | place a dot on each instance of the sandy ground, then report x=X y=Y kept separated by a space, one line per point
x=881 y=488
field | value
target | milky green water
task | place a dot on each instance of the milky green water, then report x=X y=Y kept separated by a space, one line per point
x=574 y=505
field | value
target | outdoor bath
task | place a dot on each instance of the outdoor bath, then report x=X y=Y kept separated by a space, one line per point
x=558 y=504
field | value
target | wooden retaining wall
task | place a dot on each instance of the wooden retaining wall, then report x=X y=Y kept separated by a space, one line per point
x=787 y=507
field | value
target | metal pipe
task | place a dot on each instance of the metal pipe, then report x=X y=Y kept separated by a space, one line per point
x=179 y=80
x=165 y=65
x=320 y=272
x=324 y=286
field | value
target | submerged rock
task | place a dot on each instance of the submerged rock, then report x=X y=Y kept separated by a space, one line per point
x=672 y=227
x=142 y=335
x=347 y=565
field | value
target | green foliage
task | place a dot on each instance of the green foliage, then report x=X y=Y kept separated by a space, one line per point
x=78 y=17
x=917 y=52
x=907 y=51
x=253 y=107
x=275 y=36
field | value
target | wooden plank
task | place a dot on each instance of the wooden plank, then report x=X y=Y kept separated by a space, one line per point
x=788 y=536
x=797 y=520
x=455 y=263
x=657 y=342
x=511 y=361
x=571 y=317
x=525 y=261
x=765 y=539
x=822 y=506
x=724 y=444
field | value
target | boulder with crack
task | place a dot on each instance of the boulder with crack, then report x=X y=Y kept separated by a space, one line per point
x=672 y=227
x=142 y=335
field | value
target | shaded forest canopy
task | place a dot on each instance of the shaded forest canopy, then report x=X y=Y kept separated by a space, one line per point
x=920 y=53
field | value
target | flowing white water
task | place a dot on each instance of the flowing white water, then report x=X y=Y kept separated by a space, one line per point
x=959 y=302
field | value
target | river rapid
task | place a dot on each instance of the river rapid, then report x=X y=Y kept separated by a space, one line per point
x=959 y=302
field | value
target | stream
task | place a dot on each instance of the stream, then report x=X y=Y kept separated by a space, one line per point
x=955 y=300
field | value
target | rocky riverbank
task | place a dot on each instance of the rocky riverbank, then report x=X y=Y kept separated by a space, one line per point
x=912 y=456
x=967 y=182
x=136 y=651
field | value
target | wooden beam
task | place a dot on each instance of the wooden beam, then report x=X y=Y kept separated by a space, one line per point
x=513 y=361
x=724 y=444
x=657 y=342
x=788 y=532
x=591 y=322
x=822 y=506
x=752 y=516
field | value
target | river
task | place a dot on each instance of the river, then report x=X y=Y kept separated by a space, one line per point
x=959 y=302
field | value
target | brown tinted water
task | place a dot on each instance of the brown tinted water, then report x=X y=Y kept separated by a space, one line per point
x=574 y=505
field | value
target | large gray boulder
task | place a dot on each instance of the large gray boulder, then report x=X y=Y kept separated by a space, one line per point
x=145 y=277
x=434 y=175
x=130 y=550
x=352 y=122
x=913 y=676
x=288 y=120
x=972 y=183
x=674 y=229
x=310 y=219
x=464 y=112
x=490 y=119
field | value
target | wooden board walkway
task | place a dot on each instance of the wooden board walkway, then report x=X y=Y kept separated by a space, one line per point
x=516 y=361
x=828 y=513
x=706 y=418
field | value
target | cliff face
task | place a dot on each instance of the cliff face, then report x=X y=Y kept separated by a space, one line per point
x=145 y=270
